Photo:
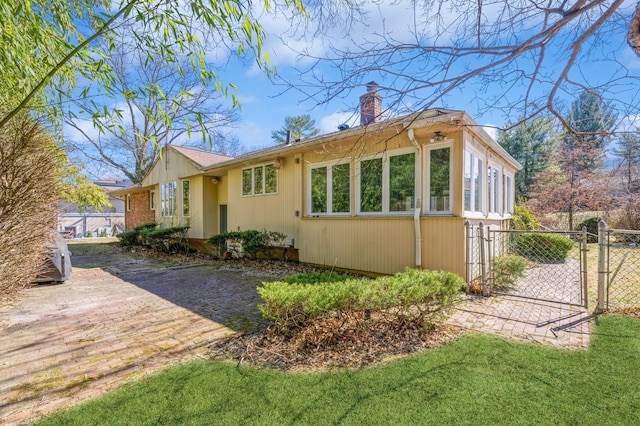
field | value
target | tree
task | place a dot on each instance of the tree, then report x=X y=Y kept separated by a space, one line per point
x=576 y=181
x=50 y=42
x=532 y=144
x=628 y=149
x=521 y=58
x=301 y=126
x=159 y=103
x=592 y=119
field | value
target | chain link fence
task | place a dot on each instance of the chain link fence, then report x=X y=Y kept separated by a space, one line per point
x=541 y=265
x=622 y=268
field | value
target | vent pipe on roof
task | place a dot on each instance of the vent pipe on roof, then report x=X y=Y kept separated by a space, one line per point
x=288 y=137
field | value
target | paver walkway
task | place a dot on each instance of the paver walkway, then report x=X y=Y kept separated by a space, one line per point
x=62 y=344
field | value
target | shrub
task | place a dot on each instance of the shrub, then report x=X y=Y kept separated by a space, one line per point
x=253 y=242
x=523 y=219
x=169 y=240
x=592 y=228
x=412 y=295
x=316 y=278
x=89 y=234
x=506 y=270
x=29 y=170
x=543 y=247
x=129 y=238
x=103 y=233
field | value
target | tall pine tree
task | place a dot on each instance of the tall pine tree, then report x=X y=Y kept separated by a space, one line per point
x=301 y=126
x=532 y=144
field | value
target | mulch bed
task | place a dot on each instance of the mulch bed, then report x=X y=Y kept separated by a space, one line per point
x=328 y=344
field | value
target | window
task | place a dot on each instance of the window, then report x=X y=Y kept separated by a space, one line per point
x=473 y=193
x=152 y=200
x=439 y=180
x=330 y=189
x=387 y=184
x=186 y=197
x=128 y=202
x=168 y=199
x=260 y=180
x=494 y=179
x=508 y=194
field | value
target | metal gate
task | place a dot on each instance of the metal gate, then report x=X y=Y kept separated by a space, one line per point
x=619 y=262
x=541 y=265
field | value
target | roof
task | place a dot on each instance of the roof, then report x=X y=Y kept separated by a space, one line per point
x=422 y=118
x=201 y=158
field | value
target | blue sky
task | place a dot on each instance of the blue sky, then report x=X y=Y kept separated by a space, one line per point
x=265 y=104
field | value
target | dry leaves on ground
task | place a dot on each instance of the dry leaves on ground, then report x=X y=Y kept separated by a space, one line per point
x=330 y=343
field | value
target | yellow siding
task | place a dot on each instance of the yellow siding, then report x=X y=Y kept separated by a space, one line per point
x=443 y=245
x=172 y=166
x=273 y=212
x=382 y=245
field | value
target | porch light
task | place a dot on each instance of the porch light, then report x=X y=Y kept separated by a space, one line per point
x=437 y=137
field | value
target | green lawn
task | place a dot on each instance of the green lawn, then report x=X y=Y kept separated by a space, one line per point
x=477 y=380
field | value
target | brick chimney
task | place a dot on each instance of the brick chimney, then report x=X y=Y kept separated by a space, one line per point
x=370 y=104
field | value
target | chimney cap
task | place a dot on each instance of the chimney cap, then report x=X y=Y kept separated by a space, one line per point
x=372 y=85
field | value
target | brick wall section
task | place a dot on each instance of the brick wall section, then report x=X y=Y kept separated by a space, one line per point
x=139 y=212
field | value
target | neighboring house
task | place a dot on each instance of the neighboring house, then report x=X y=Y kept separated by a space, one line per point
x=77 y=221
x=379 y=197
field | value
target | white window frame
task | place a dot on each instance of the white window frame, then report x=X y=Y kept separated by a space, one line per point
x=385 y=156
x=263 y=167
x=329 y=165
x=509 y=193
x=472 y=212
x=494 y=190
x=427 y=184
x=188 y=196
x=168 y=194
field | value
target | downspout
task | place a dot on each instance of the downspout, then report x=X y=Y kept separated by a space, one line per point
x=418 y=208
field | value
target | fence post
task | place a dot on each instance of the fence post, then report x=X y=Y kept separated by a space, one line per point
x=602 y=268
x=583 y=249
x=483 y=259
x=469 y=260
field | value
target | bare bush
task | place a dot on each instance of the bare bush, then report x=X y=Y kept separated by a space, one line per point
x=29 y=162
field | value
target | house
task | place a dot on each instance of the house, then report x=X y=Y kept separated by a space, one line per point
x=379 y=197
x=79 y=221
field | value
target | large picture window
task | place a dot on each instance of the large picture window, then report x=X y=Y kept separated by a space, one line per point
x=168 y=193
x=439 y=181
x=473 y=187
x=330 y=189
x=387 y=184
x=260 y=180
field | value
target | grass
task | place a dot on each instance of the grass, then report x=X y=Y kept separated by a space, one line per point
x=79 y=247
x=477 y=380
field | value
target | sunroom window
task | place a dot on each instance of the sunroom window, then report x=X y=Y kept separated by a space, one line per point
x=473 y=188
x=439 y=181
x=494 y=183
x=387 y=184
x=330 y=189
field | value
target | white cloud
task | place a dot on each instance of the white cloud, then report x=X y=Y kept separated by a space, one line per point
x=78 y=134
x=330 y=123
